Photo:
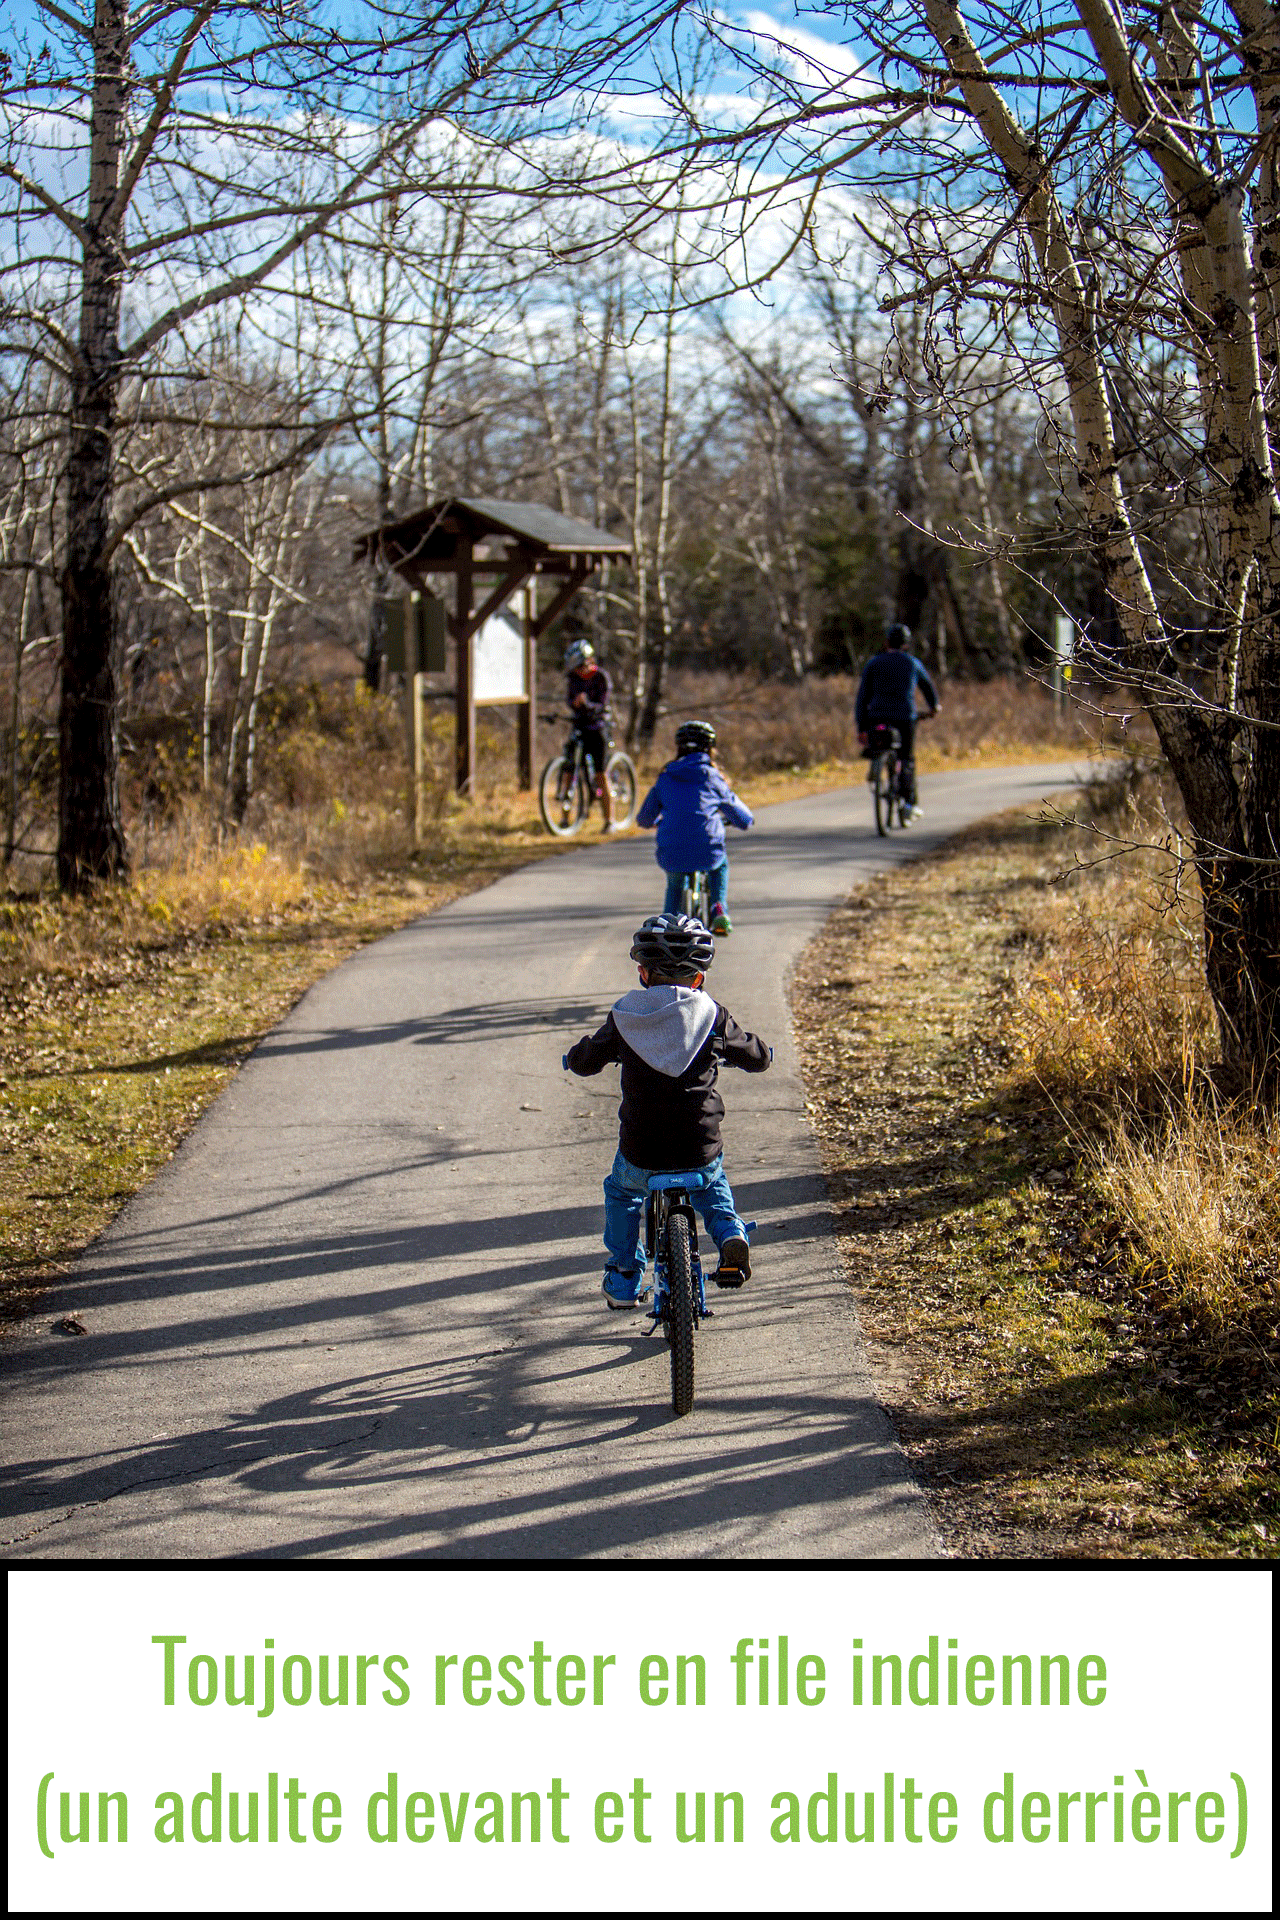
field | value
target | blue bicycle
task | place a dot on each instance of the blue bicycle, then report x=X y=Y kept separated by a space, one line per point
x=679 y=1291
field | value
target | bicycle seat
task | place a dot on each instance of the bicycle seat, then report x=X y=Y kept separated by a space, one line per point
x=695 y=1177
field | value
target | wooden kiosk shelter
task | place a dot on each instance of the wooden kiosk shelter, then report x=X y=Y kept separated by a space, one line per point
x=515 y=546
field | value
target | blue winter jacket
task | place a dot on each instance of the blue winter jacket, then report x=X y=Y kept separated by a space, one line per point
x=690 y=801
x=887 y=689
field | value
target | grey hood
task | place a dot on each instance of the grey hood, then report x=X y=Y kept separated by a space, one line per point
x=666 y=1026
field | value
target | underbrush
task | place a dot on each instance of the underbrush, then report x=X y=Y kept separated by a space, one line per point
x=1110 y=1017
x=1064 y=1238
x=779 y=726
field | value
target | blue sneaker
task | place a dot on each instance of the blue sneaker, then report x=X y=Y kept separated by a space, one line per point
x=619 y=1292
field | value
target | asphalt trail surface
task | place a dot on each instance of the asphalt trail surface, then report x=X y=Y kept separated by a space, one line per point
x=358 y=1314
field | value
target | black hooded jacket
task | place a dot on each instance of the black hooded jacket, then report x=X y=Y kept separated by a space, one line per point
x=669 y=1042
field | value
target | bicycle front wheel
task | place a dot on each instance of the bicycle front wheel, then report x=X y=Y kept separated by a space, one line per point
x=680 y=1308
x=620 y=772
x=882 y=786
x=561 y=797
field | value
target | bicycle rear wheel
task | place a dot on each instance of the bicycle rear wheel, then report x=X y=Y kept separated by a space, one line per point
x=693 y=898
x=884 y=774
x=680 y=1308
x=621 y=775
x=562 y=797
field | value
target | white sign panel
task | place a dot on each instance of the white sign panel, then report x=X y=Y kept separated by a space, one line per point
x=499 y=656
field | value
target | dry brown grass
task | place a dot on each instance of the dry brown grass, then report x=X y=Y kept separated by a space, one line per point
x=779 y=726
x=1109 y=996
x=1064 y=1248
x=1110 y=1016
x=1200 y=1196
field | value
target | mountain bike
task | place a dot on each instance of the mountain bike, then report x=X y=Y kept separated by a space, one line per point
x=679 y=1291
x=885 y=777
x=889 y=793
x=570 y=783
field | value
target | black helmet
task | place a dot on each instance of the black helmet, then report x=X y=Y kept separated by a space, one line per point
x=675 y=946
x=898 y=635
x=695 y=736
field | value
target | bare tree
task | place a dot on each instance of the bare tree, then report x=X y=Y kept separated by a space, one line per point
x=1090 y=193
x=215 y=145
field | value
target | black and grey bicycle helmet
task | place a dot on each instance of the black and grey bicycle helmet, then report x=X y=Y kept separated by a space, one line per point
x=898 y=635
x=577 y=653
x=695 y=736
x=675 y=946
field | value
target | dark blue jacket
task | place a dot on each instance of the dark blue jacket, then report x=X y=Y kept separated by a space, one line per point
x=887 y=689
x=690 y=801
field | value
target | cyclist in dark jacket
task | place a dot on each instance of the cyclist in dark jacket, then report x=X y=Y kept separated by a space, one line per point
x=588 y=693
x=887 y=698
x=670 y=1040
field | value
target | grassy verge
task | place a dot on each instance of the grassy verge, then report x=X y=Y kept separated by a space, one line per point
x=1064 y=1249
x=122 y=1017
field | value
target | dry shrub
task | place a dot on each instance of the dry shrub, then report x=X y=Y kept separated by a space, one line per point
x=776 y=725
x=1111 y=1016
x=233 y=885
x=1114 y=1003
x=1200 y=1197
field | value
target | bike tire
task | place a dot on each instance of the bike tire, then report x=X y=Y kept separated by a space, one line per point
x=680 y=1309
x=882 y=792
x=694 y=901
x=557 y=818
x=619 y=771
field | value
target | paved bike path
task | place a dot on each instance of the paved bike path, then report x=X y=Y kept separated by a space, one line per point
x=358 y=1314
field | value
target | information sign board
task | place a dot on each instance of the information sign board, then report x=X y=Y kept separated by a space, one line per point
x=499 y=656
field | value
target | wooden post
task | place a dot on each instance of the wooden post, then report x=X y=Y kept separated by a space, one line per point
x=418 y=685
x=1063 y=648
x=529 y=712
x=465 y=710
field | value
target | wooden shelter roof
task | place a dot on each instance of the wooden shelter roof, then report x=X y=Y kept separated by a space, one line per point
x=429 y=540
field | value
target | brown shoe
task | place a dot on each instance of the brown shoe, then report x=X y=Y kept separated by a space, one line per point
x=735 y=1264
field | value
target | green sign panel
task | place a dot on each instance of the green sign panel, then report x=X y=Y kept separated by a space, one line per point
x=414 y=634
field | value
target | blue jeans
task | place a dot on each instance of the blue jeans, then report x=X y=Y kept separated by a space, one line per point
x=717 y=887
x=625 y=1189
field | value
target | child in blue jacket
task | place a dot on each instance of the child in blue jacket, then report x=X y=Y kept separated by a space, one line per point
x=689 y=803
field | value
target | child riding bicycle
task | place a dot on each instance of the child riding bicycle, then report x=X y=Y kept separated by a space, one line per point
x=669 y=1038
x=689 y=802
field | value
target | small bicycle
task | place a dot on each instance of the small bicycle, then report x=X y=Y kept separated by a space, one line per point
x=570 y=783
x=679 y=1290
x=695 y=897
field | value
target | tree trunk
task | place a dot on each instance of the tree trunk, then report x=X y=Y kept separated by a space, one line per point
x=1238 y=864
x=15 y=726
x=1242 y=965
x=90 y=836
